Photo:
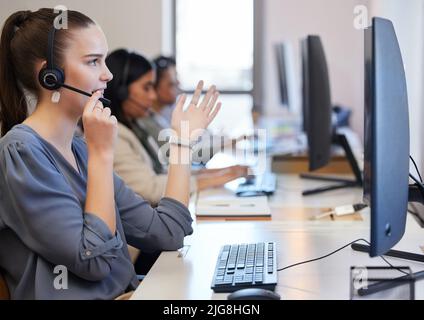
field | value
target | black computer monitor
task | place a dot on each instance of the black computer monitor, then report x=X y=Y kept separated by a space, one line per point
x=386 y=124
x=282 y=68
x=316 y=102
x=317 y=117
x=305 y=84
x=386 y=151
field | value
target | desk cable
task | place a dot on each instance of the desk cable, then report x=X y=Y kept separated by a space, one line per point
x=420 y=185
x=335 y=251
x=416 y=168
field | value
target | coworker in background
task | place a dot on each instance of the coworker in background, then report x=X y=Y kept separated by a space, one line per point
x=167 y=87
x=136 y=154
x=61 y=204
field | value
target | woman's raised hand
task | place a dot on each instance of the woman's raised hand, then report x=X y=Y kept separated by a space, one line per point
x=190 y=123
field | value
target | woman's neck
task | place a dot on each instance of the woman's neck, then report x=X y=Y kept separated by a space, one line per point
x=50 y=122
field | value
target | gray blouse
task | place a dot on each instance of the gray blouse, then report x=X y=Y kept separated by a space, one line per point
x=49 y=247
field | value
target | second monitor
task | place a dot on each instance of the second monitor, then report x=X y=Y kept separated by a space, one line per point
x=317 y=118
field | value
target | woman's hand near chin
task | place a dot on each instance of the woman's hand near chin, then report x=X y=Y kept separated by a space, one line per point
x=100 y=129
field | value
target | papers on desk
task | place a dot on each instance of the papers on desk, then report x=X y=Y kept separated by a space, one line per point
x=224 y=203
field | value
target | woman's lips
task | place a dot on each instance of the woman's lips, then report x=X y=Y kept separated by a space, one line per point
x=102 y=91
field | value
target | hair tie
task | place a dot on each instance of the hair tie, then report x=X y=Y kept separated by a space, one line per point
x=21 y=18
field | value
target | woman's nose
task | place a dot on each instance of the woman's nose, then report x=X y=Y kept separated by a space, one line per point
x=106 y=75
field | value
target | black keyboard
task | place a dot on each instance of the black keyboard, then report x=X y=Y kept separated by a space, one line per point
x=258 y=185
x=240 y=266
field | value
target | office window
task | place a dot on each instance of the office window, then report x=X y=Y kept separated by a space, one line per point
x=214 y=42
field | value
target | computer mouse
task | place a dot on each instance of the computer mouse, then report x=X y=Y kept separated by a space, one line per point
x=250 y=179
x=250 y=193
x=254 y=294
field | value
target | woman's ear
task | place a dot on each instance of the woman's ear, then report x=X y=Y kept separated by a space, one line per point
x=40 y=64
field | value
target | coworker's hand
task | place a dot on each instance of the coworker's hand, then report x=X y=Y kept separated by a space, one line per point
x=100 y=128
x=190 y=123
x=218 y=177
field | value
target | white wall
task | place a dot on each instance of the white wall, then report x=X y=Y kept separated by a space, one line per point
x=290 y=20
x=408 y=21
x=134 y=24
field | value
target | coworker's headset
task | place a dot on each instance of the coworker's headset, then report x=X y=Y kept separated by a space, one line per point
x=122 y=90
x=52 y=77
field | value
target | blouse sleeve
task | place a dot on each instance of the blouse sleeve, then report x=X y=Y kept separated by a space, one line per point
x=152 y=229
x=40 y=207
x=137 y=173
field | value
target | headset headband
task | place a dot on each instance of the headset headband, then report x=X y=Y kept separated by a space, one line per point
x=50 y=48
x=126 y=70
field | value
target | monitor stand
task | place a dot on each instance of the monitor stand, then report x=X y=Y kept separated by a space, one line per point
x=415 y=194
x=340 y=140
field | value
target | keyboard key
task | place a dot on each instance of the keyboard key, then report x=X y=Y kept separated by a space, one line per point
x=231 y=266
x=225 y=255
x=260 y=262
x=259 y=278
x=248 y=277
x=243 y=281
x=249 y=270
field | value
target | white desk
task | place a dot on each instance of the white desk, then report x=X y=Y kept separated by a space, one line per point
x=190 y=276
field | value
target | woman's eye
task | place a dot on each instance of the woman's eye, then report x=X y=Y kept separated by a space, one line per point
x=93 y=62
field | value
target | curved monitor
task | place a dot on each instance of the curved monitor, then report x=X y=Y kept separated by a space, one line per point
x=316 y=102
x=386 y=122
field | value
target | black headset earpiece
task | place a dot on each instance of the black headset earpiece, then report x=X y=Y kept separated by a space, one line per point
x=50 y=76
x=122 y=91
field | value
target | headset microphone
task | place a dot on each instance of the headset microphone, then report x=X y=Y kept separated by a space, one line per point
x=52 y=77
x=106 y=102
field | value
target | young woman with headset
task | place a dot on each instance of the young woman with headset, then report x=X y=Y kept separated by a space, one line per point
x=137 y=157
x=63 y=212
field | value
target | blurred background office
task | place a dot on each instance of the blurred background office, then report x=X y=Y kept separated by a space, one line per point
x=232 y=43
